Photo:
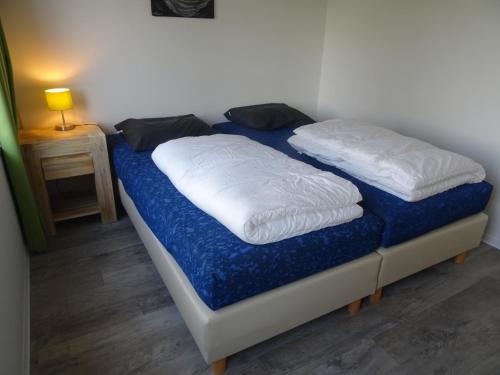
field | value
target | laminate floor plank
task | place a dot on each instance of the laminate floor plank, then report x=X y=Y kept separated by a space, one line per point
x=454 y=336
x=98 y=306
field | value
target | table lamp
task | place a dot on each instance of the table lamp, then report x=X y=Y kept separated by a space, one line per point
x=60 y=100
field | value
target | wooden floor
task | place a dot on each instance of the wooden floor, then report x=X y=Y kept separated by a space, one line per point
x=99 y=307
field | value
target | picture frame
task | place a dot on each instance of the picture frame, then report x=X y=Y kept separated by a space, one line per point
x=183 y=8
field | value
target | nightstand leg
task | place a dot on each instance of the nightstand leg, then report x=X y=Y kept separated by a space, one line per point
x=103 y=182
x=33 y=162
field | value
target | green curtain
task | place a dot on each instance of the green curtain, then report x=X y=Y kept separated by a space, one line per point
x=29 y=215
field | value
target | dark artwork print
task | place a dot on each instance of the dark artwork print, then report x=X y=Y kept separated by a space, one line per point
x=183 y=8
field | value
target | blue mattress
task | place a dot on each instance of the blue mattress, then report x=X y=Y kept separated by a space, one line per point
x=403 y=220
x=222 y=268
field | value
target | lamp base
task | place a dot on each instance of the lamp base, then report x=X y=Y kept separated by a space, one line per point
x=63 y=128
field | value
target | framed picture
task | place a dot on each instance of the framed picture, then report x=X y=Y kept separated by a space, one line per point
x=183 y=8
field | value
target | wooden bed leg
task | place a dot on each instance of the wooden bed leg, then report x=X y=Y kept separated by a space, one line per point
x=460 y=258
x=354 y=307
x=375 y=297
x=218 y=367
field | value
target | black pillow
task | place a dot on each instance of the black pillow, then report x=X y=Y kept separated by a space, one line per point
x=146 y=134
x=268 y=116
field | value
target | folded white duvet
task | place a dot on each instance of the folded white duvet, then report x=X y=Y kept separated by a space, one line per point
x=403 y=166
x=258 y=193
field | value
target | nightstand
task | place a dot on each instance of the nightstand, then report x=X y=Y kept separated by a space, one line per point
x=54 y=155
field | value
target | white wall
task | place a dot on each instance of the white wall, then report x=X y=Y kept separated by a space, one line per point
x=13 y=286
x=429 y=68
x=123 y=62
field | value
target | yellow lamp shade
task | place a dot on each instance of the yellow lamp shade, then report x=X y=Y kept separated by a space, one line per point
x=59 y=99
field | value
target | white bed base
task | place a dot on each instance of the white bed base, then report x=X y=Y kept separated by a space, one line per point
x=231 y=329
x=425 y=251
x=452 y=240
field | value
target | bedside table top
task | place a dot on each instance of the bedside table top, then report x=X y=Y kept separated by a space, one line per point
x=34 y=136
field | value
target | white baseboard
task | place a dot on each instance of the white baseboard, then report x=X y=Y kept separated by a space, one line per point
x=27 y=323
x=492 y=241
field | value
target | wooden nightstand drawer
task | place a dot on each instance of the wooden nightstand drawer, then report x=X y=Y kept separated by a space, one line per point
x=67 y=166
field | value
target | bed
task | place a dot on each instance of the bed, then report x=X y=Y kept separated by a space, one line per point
x=217 y=281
